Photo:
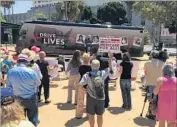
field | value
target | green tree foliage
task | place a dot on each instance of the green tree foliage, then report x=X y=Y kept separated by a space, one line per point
x=7 y=4
x=94 y=19
x=157 y=12
x=151 y=11
x=73 y=9
x=59 y=12
x=147 y=37
x=68 y=10
x=39 y=15
x=129 y=10
x=2 y=19
x=89 y=16
x=113 y=12
x=87 y=13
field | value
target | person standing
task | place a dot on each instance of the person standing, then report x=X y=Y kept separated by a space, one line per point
x=95 y=91
x=152 y=72
x=166 y=89
x=104 y=63
x=125 y=80
x=12 y=113
x=81 y=93
x=24 y=83
x=175 y=72
x=6 y=64
x=73 y=71
x=31 y=54
x=44 y=67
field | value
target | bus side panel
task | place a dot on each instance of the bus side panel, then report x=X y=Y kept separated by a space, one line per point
x=50 y=38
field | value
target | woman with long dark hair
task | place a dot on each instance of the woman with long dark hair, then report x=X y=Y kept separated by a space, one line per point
x=73 y=71
x=125 y=80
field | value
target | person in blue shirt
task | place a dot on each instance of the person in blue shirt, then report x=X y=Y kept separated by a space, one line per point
x=24 y=83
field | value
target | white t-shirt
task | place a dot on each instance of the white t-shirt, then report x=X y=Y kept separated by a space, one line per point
x=23 y=123
x=36 y=68
x=115 y=70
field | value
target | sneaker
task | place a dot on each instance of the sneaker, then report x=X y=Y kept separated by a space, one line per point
x=106 y=106
x=40 y=100
x=47 y=101
x=123 y=106
x=69 y=102
x=152 y=117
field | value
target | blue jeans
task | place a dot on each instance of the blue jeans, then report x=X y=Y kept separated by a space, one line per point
x=150 y=91
x=125 y=85
x=30 y=106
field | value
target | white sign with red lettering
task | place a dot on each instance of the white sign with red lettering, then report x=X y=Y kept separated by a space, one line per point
x=109 y=44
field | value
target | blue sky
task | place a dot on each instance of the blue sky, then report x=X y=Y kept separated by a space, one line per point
x=22 y=6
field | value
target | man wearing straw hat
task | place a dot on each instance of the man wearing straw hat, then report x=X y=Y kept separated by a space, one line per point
x=24 y=83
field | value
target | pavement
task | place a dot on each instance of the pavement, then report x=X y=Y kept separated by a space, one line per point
x=60 y=114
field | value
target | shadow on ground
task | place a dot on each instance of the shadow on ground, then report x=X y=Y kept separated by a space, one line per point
x=144 y=122
x=60 y=79
x=65 y=87
x=53 y=85
x=116 y=110
x=42 y=104
x=75 y=122
x=65 y=106
x=112 y=88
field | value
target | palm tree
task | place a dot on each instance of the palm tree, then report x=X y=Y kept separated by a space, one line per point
x=129 y=10
x=7 y=5
x=72 y=9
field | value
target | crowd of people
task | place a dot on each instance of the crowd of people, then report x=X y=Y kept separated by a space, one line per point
x=89 y=74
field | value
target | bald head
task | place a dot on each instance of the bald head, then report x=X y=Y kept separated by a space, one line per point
x=42 y=55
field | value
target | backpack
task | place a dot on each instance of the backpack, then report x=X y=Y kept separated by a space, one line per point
x=4 y=68
x=98 y=84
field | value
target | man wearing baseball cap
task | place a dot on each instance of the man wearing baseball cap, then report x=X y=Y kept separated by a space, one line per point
x=24 y=83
